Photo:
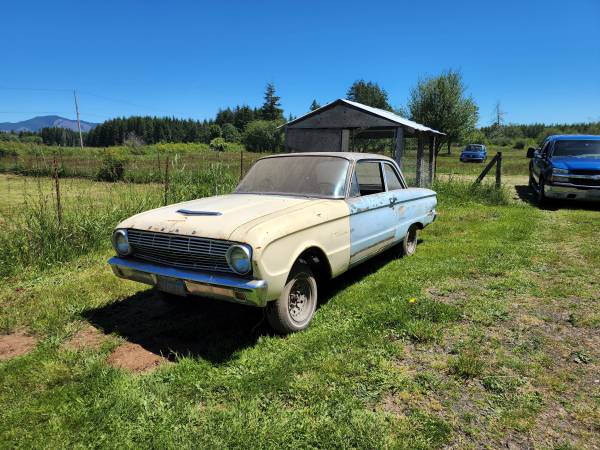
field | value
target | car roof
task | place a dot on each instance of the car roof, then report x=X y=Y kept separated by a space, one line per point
x=574 y=137
x=351 y=156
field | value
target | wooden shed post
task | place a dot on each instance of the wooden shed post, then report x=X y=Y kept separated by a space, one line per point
x=420 y=157
x=431 y=159
x=345 y=141
x=399 y=146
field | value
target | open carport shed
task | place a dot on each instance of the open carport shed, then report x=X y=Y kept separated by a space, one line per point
x=333 y=127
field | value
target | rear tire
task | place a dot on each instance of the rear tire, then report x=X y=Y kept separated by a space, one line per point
x=409 y=243
x=295 y=307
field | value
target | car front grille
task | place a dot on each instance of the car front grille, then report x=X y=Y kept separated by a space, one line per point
x=584 y=182
x=585 y=171
x=180 y=251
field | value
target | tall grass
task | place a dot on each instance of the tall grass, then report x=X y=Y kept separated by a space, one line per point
x=32 y=235
x=460 y=192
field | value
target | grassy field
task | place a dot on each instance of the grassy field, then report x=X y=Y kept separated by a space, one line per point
x=147 y=163
x=488 y=337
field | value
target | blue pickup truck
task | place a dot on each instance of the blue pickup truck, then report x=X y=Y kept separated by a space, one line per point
x=566 y=167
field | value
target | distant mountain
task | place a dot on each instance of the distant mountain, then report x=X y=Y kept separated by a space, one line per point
x=40 y=122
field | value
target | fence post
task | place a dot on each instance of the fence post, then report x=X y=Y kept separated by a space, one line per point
x=499 y=171
x=57 y=190
x=166 y=179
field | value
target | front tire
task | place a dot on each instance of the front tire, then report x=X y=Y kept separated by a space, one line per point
x=295 y=307
x=542 y=200
x=409 y=243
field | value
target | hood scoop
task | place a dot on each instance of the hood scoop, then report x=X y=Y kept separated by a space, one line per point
x=191 y=212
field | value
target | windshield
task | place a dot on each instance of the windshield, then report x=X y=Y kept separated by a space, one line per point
x=311 y=176
x=474 y=148
x=578 y=149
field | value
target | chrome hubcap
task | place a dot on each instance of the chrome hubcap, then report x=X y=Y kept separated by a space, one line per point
x=299 y=300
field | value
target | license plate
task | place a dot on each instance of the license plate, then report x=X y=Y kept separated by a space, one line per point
x=171 y=286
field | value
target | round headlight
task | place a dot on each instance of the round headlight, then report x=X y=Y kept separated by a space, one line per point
x=121 y=242
x=239 y=259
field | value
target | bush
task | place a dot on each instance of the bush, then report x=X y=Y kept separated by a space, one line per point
x=112 y=168
x=230 y=133
x=218 y=144
x=263 y=136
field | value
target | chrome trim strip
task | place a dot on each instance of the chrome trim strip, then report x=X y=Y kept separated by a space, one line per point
x=191 y=212
x=557 y=183
x=582 y=177
x=239 y=290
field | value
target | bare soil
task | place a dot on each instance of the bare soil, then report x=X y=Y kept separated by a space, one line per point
x=135 y=358
x=88 y=337
x=16 y=344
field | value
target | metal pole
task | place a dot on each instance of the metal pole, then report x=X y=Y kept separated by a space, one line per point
x=78 y=121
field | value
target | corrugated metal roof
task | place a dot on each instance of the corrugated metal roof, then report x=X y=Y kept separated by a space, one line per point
x=388 y=115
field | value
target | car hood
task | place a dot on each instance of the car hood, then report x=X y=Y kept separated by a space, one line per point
x=214 y=217
x=572 y=163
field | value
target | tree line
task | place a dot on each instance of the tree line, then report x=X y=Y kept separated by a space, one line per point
x=440 y=102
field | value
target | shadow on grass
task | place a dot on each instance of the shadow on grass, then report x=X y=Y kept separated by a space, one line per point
x=199 y=327
x=204 y=328
x=527 y=195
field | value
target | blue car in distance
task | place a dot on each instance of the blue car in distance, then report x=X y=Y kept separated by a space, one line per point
x=474 y=152
x=566 y=167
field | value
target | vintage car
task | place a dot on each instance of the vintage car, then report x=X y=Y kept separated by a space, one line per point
x=293 y=222
x=566 y=167
x=474 y=152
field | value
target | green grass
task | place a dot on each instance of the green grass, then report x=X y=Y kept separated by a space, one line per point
x=143 y=164
x=467 y=343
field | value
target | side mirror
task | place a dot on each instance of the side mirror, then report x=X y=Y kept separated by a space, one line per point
x=531 y=152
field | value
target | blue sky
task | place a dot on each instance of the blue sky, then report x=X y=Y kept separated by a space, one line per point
x=540 y=59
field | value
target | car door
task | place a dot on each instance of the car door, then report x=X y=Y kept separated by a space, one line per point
x=373 y=223
x=538 y=164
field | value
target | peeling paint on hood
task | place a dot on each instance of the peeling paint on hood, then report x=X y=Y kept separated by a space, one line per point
x=235 y=210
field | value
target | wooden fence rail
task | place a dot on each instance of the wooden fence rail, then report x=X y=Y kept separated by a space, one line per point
x=495 y=160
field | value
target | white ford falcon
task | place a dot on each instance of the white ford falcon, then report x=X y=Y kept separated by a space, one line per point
x=294 y=221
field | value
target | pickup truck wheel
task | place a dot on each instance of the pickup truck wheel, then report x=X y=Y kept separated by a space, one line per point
x=409 y=243
x=531 y=182
x=295 y=307
x=542 y=200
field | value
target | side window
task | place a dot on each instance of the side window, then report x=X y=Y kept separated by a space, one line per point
x=391 y=178
x=546 y=148
x=368 y=177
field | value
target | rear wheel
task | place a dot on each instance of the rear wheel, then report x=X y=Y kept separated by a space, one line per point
x=409 y=243
x=295 y=307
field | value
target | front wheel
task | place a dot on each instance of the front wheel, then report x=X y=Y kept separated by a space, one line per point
x=542 y=200
x=295 y=307
x=409 y=243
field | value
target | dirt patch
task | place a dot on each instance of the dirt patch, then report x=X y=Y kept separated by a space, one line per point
x=16 y=344
x=88 y=337
x=134 y=358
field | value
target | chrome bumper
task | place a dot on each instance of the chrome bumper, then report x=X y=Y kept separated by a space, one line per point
x=222 y=287
x=572 y=191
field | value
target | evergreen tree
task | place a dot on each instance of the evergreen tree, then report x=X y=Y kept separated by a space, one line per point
x=368 y=93
x=314 y=105
x=271 y=107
